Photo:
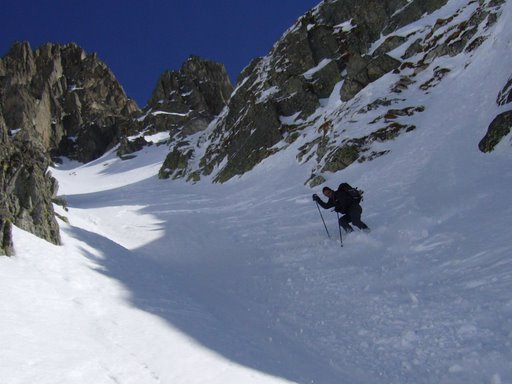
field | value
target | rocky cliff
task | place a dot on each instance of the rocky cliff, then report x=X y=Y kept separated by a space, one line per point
x=184 y=103
x=60 y=100
x=307 y=94
x=502 y=123
x=27 y=190
x=65 y=99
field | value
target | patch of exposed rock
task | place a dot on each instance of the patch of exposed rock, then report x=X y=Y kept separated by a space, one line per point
x=327 y=46
x=184 y=103
x=60 y=100
x=27 y=190
x=65 y=99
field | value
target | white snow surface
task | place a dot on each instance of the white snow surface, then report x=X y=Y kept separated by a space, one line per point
x=161 y=281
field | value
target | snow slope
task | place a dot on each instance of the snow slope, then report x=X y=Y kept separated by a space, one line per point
x=167 y=282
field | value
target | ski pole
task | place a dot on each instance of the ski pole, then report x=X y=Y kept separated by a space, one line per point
x=323 y=221
x=339 y=227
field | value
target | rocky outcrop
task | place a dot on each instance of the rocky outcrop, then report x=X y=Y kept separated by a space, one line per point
x=64 y=99
x=277 y=94
x=501 y=125
x=27 y=191
x=6 y=246
x=362 y=71
x=498 y=129
x=335 y=52
x=184 y=103
x=190 y=98
x=57 y=99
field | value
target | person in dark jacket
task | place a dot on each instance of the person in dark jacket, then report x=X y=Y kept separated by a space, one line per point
x=343 y=203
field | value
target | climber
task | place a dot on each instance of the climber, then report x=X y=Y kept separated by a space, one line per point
x=345 y=201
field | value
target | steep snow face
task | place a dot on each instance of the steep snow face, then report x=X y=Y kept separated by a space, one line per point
x=161 y=281
x=432 y=50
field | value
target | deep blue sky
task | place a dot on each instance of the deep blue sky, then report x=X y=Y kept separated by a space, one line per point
x=139 y=40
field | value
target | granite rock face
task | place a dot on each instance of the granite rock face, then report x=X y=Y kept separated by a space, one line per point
x=276 y=94
x=193 y=96
x=27 y=190
x=55 y=100
x=65 y=99
x=331 y=56
x=498 y=129
x=184 y=103
x=501 y=124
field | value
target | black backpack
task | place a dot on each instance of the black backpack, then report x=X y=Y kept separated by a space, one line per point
x=354 y=193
